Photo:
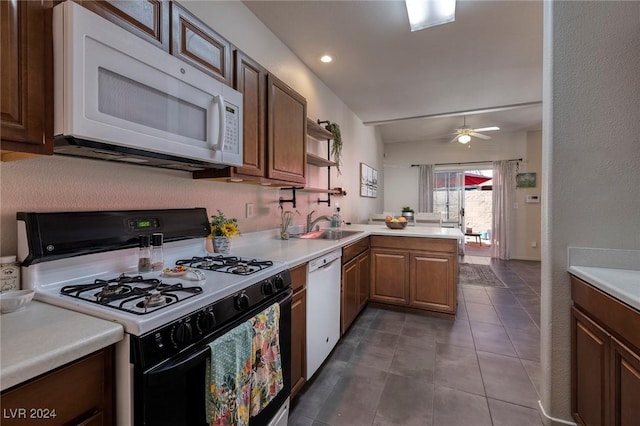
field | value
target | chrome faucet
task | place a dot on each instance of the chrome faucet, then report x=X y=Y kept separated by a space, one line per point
x=312 y=223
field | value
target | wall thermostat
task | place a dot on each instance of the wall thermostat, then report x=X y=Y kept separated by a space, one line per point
x=532 y=199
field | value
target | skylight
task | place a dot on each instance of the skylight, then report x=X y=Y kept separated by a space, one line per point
x=429 y=13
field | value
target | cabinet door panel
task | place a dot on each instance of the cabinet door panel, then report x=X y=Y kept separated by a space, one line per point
x=364 y=279
x=390 y=276
x=196 y=43
x=626 y=385
x=298 y=340
x=26 y=73
x=350 y=299
x=432 y=285
x=591 y=352
x=287 y=128
x=250 y=79
x=148 y=19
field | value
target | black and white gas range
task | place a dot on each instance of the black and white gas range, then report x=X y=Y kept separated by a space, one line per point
x=87 y=262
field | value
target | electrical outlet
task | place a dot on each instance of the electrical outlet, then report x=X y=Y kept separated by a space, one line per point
x=248 y=210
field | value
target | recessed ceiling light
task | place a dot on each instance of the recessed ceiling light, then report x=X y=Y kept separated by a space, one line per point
x=326 y=59
x=429 y=13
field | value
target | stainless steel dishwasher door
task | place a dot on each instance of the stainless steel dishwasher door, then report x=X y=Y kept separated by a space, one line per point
x=323 y=308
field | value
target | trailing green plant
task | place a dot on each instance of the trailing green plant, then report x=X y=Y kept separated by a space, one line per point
x=336 y=146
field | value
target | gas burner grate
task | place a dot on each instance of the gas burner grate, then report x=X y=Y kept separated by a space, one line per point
x=135 y=294
x=227 y=264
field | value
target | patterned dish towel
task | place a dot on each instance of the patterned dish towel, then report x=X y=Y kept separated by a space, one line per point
x=228 y=378
x=267 y=364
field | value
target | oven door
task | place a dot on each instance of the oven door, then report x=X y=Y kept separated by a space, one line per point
x=173 y=394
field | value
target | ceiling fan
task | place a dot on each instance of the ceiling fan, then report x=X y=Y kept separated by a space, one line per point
x=464 y=133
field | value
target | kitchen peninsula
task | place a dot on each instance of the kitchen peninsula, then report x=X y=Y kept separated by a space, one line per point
x=414 y=269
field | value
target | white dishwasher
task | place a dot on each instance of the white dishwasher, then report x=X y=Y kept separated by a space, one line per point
x=323 y=308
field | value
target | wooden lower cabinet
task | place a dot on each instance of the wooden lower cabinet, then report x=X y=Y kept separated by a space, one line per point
x=625 y=388
x=605 y=359
x=298 y=329
x=390 y=276
x=354 y=290
x=430 y=278
x=415 y=273
x=590 y=365
x=80 y=393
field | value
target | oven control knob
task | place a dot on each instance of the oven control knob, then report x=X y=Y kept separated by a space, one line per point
x=241 y=301
x=182 y=333
x=279 y=282
x=267 y=288
x=206 y=321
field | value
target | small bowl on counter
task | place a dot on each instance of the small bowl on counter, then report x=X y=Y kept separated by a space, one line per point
x=395 y=225
x=12 y=301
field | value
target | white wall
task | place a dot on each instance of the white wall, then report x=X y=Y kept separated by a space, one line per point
x=70 y=184
x=591 y=159
x=401 y=180
x=527 y=218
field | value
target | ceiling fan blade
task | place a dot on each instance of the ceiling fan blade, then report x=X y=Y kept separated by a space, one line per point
x=487 y=129
x=454 y=139
x=480 y=136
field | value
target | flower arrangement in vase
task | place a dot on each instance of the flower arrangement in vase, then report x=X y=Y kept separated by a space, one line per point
x=286 y=218
x=222 y=229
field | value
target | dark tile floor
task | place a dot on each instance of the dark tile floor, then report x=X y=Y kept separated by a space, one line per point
x=394 y=368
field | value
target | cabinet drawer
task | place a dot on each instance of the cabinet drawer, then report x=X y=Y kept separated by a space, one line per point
x=618 y=318
x=298 y=277
x=415 y=243
x=352 y=250
x=80 y=393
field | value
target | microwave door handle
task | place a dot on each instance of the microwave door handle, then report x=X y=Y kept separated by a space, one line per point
x=211 y=139
x=222 y=125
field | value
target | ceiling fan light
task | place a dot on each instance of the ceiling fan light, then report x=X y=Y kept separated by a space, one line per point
x=464 y=139
x=429 y=13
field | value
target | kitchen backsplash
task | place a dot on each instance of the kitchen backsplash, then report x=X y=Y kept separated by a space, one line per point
x=70 y=184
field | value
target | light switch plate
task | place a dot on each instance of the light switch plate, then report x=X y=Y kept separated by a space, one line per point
x=248 y=210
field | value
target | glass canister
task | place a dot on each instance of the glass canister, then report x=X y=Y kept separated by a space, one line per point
x=9 y=274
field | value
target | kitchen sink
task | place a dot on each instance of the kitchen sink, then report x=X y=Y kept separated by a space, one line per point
x=327 y=234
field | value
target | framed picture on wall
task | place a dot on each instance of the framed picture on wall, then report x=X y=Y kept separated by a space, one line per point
x=526 y=180
x=368 y=181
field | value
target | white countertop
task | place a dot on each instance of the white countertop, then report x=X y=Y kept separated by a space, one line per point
x=42 y=337
x=615 y=272
x=295 y=251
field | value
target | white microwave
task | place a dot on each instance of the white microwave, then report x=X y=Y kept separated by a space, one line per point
x=118 y=98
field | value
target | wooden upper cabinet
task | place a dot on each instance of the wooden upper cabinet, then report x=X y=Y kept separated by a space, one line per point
x=196 y=43
x=287 y=129
x=26 y=77
x=250 y=79
x=148 y=19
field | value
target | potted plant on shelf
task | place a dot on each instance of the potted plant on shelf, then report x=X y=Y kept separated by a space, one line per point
x=336 y=146
x=222 y=229
x=408 y=213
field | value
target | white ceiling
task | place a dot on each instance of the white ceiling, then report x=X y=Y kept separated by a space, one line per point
x=489 y=59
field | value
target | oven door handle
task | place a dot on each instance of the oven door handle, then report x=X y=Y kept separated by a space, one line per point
x=179 y=367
